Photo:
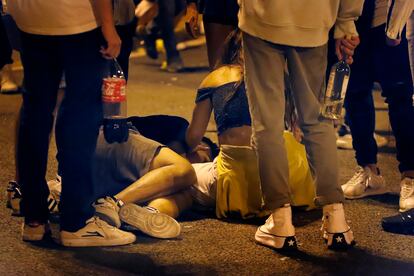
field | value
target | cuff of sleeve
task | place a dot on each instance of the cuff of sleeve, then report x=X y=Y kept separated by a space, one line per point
x=392 y=34
x=344 y=28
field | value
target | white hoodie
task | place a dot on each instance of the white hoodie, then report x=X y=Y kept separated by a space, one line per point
x=398 y=13
x=302 y=23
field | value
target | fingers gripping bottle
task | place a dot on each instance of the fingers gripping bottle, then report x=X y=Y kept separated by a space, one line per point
x=114 y=105
x=335 y=90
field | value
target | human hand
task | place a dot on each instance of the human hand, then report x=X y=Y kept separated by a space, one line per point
x=146 y=11
x=392 y=41
x=191 y=20
x=112 y=40
x=345 y=47
x=199 y=154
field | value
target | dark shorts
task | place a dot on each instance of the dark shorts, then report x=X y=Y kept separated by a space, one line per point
x=221 y=11
x=164 y=129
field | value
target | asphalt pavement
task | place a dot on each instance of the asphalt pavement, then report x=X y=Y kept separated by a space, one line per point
x=208 y=246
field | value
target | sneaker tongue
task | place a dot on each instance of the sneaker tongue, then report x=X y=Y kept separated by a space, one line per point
x=91 y=220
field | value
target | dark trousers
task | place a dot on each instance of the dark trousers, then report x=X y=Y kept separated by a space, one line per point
x=375 y=61
x=5 y=48
x=164 y=22
x=45 y=58
x=126 y=33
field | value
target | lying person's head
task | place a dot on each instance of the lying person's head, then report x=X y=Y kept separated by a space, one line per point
x=206 y=151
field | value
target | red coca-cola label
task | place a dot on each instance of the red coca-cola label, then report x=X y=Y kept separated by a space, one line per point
x=113 y=90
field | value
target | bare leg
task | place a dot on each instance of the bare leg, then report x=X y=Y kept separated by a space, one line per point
x=169 y=173
x=174 y=204
x=215 y=36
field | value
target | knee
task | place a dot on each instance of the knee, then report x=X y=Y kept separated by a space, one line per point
x=185 y=174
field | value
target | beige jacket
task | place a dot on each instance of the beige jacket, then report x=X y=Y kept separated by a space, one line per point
x=303 y=23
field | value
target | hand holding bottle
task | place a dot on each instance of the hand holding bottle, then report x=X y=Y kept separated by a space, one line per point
x=191 y=20
x=113 y=42
x=345 y=48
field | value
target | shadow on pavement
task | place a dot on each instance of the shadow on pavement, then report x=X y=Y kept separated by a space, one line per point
x=300 y=217
x=136 y=263
x=355 y=261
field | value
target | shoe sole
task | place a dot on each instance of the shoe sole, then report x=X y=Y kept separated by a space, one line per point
x=89 y=242
x=276 y=242
x=34 y=237
x=369 y=193
x=156 y=225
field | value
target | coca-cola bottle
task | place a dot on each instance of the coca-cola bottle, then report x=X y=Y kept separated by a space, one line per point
x=114 y=105
x=335 y=91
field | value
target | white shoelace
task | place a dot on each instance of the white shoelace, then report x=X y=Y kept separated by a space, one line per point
x=359 y=177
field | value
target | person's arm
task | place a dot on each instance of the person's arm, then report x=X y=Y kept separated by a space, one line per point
x=104 y=13
x=398 y=13
x=191 y=19
x=345 y=32
x=198 y=124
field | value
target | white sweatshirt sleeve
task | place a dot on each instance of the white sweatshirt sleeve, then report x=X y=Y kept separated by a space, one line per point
x=348 y=12
x=398 y=13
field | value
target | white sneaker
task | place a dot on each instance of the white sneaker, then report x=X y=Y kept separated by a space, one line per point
x=55 y=189
x=364 y=183
x=150 y=221
x=96 y=233
x=107 y=209
x=335 y=229
x=344 y=142
x=407 y=194
x=278 y=231
x=343 y=137
x=7 y=82
x=14 y=196
x=34 y=232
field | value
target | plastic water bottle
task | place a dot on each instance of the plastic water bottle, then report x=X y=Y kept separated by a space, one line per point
x=115 y=105
x=335 y=91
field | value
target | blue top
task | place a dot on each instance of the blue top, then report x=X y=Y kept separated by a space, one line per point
x=228 y=113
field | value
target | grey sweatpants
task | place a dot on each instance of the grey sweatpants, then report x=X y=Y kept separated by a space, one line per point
x=264 y=77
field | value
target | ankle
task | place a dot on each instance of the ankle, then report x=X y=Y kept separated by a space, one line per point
x=407 y=174
x=118 y=201
x=374 y=168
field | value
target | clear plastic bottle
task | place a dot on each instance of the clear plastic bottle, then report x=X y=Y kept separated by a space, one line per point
x=335 y=91
x=115 y=105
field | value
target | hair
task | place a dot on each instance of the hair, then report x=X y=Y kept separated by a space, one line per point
x=214 y=149
x=232 y=50
x=232 y=55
